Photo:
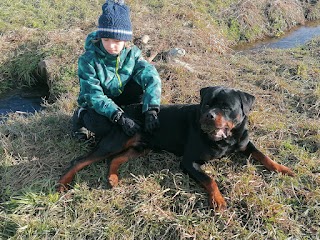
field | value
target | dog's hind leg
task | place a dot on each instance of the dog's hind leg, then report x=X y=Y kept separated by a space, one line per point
x=266 y=161
x=105 y=148
x=115 y=163
x=75 y=166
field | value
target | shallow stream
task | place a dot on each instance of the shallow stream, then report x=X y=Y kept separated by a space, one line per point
x=294 y=38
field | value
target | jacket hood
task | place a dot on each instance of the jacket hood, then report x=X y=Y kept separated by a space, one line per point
x=93 y=43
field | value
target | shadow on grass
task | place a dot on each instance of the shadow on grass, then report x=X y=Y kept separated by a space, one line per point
x=8 y=228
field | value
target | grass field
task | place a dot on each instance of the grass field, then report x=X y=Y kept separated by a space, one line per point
x=154 y=199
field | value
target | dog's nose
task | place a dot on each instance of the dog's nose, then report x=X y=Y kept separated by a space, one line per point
x=211 y=115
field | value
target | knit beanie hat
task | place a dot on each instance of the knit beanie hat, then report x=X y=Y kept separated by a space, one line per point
x=115 y=21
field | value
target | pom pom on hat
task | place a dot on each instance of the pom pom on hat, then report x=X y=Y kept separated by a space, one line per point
x=114 y=21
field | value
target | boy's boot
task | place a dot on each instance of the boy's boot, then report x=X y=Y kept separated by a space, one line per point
x=79 y=132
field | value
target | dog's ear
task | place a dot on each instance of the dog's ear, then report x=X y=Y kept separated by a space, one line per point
x=246 y=101
x=206 y=90
x=203 y=91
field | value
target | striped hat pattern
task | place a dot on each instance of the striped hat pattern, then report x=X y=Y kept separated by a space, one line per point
x=115 y=21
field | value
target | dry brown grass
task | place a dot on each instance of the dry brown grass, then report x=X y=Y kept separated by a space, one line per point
x=155 y=200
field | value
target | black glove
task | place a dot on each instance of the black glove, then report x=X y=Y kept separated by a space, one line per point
x=151 y=121
x=129 y=126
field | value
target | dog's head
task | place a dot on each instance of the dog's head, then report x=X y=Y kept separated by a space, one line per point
x=222 y=110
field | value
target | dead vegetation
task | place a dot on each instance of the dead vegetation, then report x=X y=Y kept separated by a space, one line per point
x=155 y=200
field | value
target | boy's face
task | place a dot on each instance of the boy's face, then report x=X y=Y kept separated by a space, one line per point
x=112 y=46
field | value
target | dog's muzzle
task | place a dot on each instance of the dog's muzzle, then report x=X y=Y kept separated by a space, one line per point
x=216 y=126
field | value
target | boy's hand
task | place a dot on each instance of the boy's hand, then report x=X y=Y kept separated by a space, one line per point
x=151 y=121
x=129 y=126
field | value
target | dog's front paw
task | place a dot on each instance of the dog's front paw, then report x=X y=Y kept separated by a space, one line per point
x=217 y=202
x=61 y=188
x=285 y=170
x=113 y=180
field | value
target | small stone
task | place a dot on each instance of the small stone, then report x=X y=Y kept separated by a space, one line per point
x=145 y=39
x=176 y=52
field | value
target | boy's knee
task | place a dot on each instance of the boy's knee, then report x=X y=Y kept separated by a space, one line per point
x=96 y=123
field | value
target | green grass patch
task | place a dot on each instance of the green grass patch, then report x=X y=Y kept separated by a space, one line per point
x=47 y=15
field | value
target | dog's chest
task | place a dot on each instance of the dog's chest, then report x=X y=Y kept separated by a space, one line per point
x=218 y=150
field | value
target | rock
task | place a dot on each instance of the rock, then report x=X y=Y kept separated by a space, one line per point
x=145 y=39
x=42 y=69
x=176 y=52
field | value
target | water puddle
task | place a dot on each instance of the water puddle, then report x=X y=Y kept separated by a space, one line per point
x=296 y=37
x=22 y=101
x=19 y=104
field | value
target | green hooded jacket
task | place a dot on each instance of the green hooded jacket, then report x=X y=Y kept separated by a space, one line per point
x=103 y=76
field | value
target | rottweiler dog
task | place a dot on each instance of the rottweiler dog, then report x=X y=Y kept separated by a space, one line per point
x=197 y=132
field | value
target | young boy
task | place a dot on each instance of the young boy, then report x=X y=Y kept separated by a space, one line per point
x=112 y=75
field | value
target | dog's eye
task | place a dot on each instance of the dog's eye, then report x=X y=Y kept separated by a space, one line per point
x=226 y=109
x=207 y=106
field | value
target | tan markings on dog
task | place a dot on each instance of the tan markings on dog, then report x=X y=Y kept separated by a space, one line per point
x=67 y=178
x=270 y=164
x=216 y=199
x=230 y=125
x=132 y=141
x=219 y=121
x=116 y=163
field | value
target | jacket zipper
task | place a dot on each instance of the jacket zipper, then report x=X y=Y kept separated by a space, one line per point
x=117 y=74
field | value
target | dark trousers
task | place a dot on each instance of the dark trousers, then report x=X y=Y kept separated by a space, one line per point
x=132 y=93
x=101 y=125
